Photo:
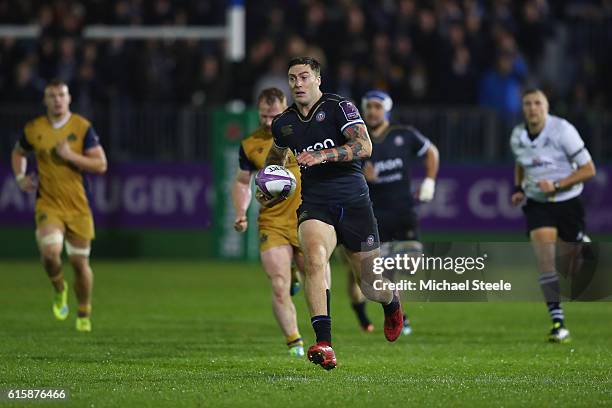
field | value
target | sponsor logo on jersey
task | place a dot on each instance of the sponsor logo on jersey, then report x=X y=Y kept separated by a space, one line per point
x=349 y=110
x=326 y=144
x=388 y=165
x=540 y=162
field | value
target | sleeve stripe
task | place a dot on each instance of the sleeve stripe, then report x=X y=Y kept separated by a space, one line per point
x=571 y=156
x=352 y=122
x=424 y=149
x=277 y=146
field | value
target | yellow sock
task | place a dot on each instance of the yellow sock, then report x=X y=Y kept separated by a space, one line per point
x=84 y=310
x=294 y=340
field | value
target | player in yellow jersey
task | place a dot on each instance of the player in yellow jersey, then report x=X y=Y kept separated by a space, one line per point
x=278 y=241
x=65 y=146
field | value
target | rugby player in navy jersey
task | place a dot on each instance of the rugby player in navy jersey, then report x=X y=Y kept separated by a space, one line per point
x=394 y=150
x=329 y=139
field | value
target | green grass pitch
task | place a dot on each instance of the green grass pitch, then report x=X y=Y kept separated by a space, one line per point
x=202 y=334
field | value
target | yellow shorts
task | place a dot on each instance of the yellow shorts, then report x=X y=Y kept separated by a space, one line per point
x=271 y=236
x=76 y=225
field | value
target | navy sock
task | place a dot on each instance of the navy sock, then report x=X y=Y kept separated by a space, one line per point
x=359 y=309
x=392 y=306
x=322 y=328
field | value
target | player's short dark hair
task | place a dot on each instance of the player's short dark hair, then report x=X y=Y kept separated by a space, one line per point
x=311 y=62
x=271 y=95
x=530 y=91
x=56 y=82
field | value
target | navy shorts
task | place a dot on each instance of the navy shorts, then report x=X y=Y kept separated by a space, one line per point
x=355 y=224
x=397 y=224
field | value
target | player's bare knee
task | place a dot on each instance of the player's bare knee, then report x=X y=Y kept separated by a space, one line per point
x=50 y=247
x=280 y=283
x=51 y=256
x=315 y=263
x=79 y=257
x=51 y=261
x=80 y=265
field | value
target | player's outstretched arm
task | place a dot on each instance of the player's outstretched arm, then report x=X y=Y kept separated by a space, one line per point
x=241 y=198
x=358 y=146
x=93 y=160
x=19 y=162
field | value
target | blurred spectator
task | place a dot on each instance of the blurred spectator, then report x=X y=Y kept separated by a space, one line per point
x=500 y=88
x=209 y=90
x=66 y=60
x=422 y=52
x=275 y=77
x=25 y=87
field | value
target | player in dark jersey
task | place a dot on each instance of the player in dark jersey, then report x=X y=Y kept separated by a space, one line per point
x=329 y=139
x=394 y=149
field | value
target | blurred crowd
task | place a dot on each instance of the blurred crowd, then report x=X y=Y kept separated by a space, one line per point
x=438 y=52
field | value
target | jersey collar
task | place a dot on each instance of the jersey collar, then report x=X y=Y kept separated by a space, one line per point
x=540 y=138
x=61 y=123
x=383 y=135
x=312 y=111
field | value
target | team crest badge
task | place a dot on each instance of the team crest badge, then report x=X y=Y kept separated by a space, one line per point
x=399 y=141
x=370 y=240
x=320 y=116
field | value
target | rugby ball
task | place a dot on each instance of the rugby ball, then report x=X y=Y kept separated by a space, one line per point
x=275 y=180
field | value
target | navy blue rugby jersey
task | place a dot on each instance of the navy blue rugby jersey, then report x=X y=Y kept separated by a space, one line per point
x=392 y=155
x=332 y=182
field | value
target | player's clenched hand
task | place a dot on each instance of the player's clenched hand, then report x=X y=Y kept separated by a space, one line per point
x=546 y=186
x=268 y=201
x=241 y=223
x=26 y=183
x=369 y=171
x=63 y=150
x=309 y=159
x=427 y=190
x=517 y=198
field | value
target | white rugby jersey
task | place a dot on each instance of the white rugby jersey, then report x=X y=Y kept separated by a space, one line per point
x=553 y=155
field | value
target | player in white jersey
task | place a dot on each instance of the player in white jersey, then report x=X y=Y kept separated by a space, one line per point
x=552 y=162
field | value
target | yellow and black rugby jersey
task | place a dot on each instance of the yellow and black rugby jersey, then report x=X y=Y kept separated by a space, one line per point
x=61 y=186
